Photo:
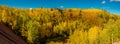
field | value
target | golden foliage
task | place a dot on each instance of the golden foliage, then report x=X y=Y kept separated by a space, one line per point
x=79 y=26
x=93 y=34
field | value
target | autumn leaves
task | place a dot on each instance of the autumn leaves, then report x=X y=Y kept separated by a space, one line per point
x=80 y=26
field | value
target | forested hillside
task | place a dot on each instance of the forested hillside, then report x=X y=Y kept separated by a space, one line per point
x=58 y=26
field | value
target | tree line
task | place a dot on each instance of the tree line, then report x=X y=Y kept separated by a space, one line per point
x=57 y=26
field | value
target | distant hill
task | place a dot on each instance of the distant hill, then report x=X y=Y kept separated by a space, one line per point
x=54 y=25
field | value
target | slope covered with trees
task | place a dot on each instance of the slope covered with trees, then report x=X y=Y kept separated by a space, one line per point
x=53 y=25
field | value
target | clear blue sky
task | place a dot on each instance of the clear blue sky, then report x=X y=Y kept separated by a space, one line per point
x=112 y=6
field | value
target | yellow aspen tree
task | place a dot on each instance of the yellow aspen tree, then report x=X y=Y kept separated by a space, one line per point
x=93 y=34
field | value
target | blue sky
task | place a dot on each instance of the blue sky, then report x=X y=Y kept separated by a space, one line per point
x=113 y=6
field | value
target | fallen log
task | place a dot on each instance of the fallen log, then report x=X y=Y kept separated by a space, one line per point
x=7 y=36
